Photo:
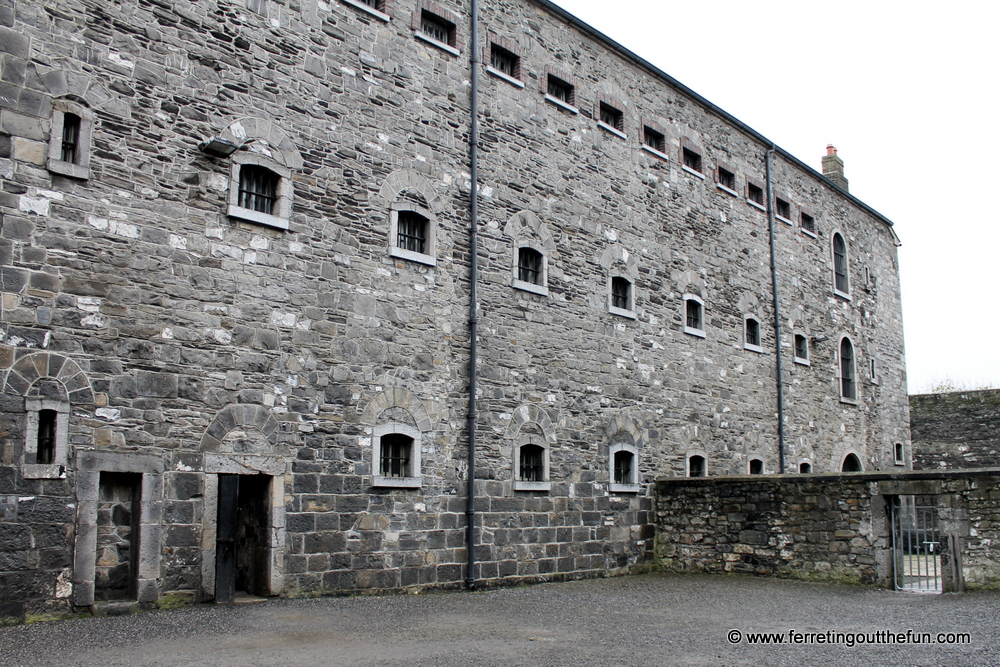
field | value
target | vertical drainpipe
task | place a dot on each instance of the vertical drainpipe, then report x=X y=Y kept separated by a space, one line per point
x=777 y=313
x=470 y=506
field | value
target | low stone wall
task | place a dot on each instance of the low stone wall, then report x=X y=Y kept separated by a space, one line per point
x=830 y=527
x=955 y=430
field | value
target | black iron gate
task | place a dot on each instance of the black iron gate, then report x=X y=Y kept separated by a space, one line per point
x=916 y=544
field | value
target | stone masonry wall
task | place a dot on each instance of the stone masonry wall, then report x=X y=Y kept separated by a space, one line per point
x=220 y=345
x=821 y=527
x=956 y=430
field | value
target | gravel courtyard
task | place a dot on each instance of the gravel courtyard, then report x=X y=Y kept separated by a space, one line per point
x=641 y=620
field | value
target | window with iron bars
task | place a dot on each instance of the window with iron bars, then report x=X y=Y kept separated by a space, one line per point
x=807 y=222
x=841 y=282
x=755 y=193
x=847 y=385
x=653 y=139
x=782 y=209
x=70 y=138
x=753 y=332
x=46 y=450
x=621 y=293
x=612 y=117
x=559 y=89
x=532 y=463
x=529 y=266
x=692 y=160
x=504 y=61
x=437 y=28
x=411 y=231
x=693 y=313
x=727 y=179
x=258 y=189
x=801 y=347
x=395 y=455
x=623 y=467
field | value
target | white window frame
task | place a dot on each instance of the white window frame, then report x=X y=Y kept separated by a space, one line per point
x=747 y=345
x=429 y=258
x=283 y=190
x=522 y=485
x=632 y=486
x=700 y=333
x=415 y=479
x=81 y=168
x=543 y=287
x=615 y=310
x=56 y=469
x=899 y=454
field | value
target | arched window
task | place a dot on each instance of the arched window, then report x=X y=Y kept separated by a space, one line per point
x=260 y=190
x=805 y=468
x=694 y=315
x=412 y=233
x=696 y=466
x=848 y=386
x=396 y=456
x=898 y=453
x=851 y=464
x=756 y=467
x=841 y=282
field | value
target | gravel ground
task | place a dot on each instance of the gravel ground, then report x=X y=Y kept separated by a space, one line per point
x=642 y=620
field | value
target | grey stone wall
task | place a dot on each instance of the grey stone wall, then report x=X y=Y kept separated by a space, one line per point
x=824 y=527
x=222 y=346
x=956 y=430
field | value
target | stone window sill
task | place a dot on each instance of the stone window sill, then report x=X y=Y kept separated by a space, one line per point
x=848 y=401
x=801 y=361
x=700 y=333
x=757 y=205
x=69 y=169
x=650 y=149
x=615 y=487
x=693 y=172
x=521 y=485
x=622 y=312
x=726 y=190
x=397 y=482
x=441 y=45
x=506 y=77
x=785 y=220
x=530 y=287
x=753 y=348
x=256 y=216
x=843 y=295
x=367 y=8
x=43 y=471
x=808 y=233
x=412 y=256
x=559 y=103
x=613 y=130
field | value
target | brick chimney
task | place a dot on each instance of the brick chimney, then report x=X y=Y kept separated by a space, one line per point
x=833 y=167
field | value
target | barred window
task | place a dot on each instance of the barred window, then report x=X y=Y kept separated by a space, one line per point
x=437 y=28
x=693 y=315
x=623 y=467
x=727 y=179
x=691 y=159
x=559 y=89
x=621 y=293
x=782 y=209
x=529 y=266
x=532 y=463
x=752 y=332
x=396 y=450
x=411 y=232
x=70 y=138
x=801 y=348
x=807 y=223
x=505 y=61
x=46 y=449
x=755 y=194
x=612 y=117
x=841 y=282
x=848 y=387
x=654 y=139
x=258 y=189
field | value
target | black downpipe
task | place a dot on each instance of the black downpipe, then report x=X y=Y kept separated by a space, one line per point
x=470 y=506
x=777 y=313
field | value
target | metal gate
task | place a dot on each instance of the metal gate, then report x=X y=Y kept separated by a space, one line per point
x=916 y=544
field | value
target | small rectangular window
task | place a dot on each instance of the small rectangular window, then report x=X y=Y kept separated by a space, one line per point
x=504 y=61
x=691 y=159
x=807 y=223
x=801 y=348
x=437 y=28
x=411 y=231
x=70 y=138
x=693 y=315
x=727 y=179
x=753 y=333
x=782 y=209
x=621 y=293
x=696 y=466
x=559 y=89
x=45 y=451
x=755 y=194
x=258 y=189
x=532 y=463
x=612 y=117
x=529 y=266
x=654 y=139
x=623 y=467
x=396 y=455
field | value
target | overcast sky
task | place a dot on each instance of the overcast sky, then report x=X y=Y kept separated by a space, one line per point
x=908 y=93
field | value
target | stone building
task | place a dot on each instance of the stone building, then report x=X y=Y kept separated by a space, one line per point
x=236 y=265
x=956 y=430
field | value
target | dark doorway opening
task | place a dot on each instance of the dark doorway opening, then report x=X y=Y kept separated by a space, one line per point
x=242 y=532
x=116 y=567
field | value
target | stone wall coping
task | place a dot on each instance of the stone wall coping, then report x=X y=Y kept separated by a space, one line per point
x=875 y=476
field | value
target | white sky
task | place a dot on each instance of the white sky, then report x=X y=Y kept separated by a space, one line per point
x=907 y=92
